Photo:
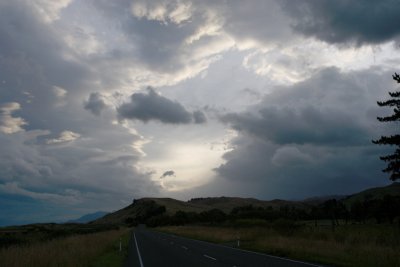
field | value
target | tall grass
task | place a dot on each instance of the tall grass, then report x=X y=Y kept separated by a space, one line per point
x=78 y=250
x=351 y=245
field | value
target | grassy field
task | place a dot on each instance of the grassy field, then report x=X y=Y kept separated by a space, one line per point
x=42 y=232
x=91 y=250
x=348 y=245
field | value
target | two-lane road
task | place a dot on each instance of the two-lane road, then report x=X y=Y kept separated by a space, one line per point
x=151 y=249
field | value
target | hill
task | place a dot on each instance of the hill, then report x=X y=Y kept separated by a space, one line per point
x=314 y=201
x=226 y=204
x=147 y=207
x=173 y=205
x=144 y=208
x=373 y=193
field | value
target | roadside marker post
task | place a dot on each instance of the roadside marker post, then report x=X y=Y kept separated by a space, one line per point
x=120 y=244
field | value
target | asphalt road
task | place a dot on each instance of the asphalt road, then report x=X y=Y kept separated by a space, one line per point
x=152 y=249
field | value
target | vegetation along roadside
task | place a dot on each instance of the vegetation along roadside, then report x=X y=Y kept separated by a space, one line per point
x=98 y=249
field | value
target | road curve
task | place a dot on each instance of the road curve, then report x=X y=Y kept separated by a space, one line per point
x=152 y=249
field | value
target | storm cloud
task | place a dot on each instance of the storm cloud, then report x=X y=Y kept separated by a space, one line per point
x=167 y=173
x=304 y=125
x=95 y=103
x=153 y=106
x=346 y=21
x=296 y=137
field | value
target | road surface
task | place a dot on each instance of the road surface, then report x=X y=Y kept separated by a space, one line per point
x=152 y=249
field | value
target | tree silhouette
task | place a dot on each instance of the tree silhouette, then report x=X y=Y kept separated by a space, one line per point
x=393 y=160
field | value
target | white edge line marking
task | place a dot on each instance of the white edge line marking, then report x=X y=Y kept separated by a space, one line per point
x=184 y=247
x=248 y=251
x=138 y=252
x=205 y=255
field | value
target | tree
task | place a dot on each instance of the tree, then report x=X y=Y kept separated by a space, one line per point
x=393 y=160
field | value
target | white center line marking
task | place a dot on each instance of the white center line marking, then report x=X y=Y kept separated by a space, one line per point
x=137 y=248
x=184 y=247
x=209 y=257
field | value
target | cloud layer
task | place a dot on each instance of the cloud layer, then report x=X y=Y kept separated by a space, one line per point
x=288 y=91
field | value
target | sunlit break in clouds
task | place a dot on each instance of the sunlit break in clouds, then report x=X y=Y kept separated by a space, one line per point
x=104 y=101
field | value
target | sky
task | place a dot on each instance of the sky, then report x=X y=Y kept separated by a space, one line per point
x=103 y=102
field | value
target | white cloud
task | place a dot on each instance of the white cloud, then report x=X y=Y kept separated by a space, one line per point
x=85 y=41
x=164 y=11
x=8 y=123
x=193 y=164
x=49 y=10
x=294 y=62
x=59 y=92
x=213 y=26
x=65 y=137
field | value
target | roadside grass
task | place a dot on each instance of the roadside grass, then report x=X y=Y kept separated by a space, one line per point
x=348 y=245
x=89 y=250
x=43 y=232
x=111 y=256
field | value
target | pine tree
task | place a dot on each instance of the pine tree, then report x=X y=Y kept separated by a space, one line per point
x=393 y=160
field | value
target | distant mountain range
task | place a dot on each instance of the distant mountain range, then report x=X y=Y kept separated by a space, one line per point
x=89 y=217
x=226 y=204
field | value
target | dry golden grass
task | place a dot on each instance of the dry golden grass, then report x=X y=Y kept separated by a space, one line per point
x=78 y=250
x=352 y=245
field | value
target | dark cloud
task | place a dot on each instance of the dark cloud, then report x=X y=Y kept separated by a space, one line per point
x=299 y=126
x=167 y=173
x=95 y=103
x=322 y=110
x=346 y=21
x=199 y=117
x=310 y=137
x=252 y=92
x=272 y=171
x=152 y=106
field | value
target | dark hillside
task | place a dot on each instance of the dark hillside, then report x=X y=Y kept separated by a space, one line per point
x=374 y=193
